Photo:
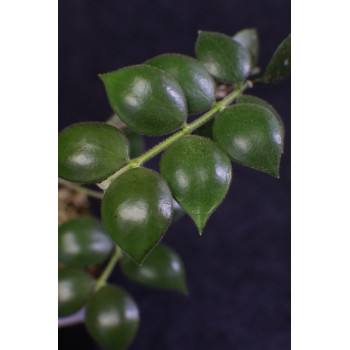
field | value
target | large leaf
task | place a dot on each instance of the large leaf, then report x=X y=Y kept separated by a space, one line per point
x=112 y=318
x=251 y=135
x=90 y=152
x=163 y=268
x=224 y=58
x=146 y=99
x=280 y=63
x=82 y=241
x=74 y=288
x=249 y=39
x=136 y=211
x=199 y=174
x=196 y=82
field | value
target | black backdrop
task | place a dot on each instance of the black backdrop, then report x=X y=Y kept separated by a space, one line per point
x=238 y=272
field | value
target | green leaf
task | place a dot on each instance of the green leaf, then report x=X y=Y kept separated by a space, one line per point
x=82 y=241
x=178 y=212
x=136 y=211
x=280 y=63
x=258 y=101
x=146 y=99
x=249 y=39
x=206 y=130
x=112 y=318
x=90 y=152
x=223 y=57
x=251 y=135
x=199 y=174
x=163 y=268
x=196 y=82
x=74 y=288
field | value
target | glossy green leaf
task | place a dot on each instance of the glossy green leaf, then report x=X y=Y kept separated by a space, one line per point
x=206 y=130
x=82 y=241
x=146 y=99
x=196 y=82
x=136 y=211
x=280 y=63
x=251 y=135
x=224 y=58
x=162 y=268
x=249 y=39
x=199 y=174
x=90 y=152
x=112 y=318
x=74 y=288
x=258 y=101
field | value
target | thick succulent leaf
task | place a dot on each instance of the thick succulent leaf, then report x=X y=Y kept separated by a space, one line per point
x=197 y=84
x=74 y=288
x=258 y=101
x=90 y=152
x=82 y=241
x=112 y=318
x=199 y=174
x=136 y=211
x=280 y=63
x=162 y=268
x=146 y=99
x=249 y=39
x=224 y=58
x=251 y=135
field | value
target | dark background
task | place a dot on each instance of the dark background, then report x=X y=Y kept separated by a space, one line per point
x=238 y=272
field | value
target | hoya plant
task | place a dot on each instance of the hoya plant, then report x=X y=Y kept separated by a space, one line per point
x=138 y=204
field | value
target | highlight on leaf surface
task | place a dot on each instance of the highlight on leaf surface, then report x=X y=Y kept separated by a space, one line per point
x=251 y=135
x=112 y=318
x=195 y=81
x=90 y=152
x=280 y=64
x=82 y=241
x=146 y=99
x=162 y=268
x=225 y=59
x=74 y=288
x=249 y=39
x=136 y=211
x=199 y=175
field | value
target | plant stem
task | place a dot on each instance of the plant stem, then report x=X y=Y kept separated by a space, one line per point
x=108 y=270
x=87 y=191
x=186 y=130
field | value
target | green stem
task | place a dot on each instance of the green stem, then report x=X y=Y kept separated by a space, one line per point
x=78 y=188
x=186 y=130
x=108 y=270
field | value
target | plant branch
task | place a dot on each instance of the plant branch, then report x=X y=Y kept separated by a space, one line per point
x=186 y=130
x=78 y=188
x=108 y=269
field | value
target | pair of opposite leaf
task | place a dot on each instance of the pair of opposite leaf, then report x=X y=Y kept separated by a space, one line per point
x=154 y=99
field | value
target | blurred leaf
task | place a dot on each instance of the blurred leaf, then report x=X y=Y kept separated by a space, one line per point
x=199 y=174
x=162 y=268
x=90 y=152
x=249 y=39
x=223 y=57
x=146 y=99
x=136 y=211
x=206 y=130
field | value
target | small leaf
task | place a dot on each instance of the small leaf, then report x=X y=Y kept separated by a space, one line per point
x=251 y=135
x=82 y=241
x=163 y=268
x=249 y=39
x=136 y=211
x=146 y=99
x=196 y=82
x=112 y=318
x=206 y=130
x=280 y=63
x=199 y=174
x=258 y=101
x=90 y=152
x=74 y=288
x=223 y=57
